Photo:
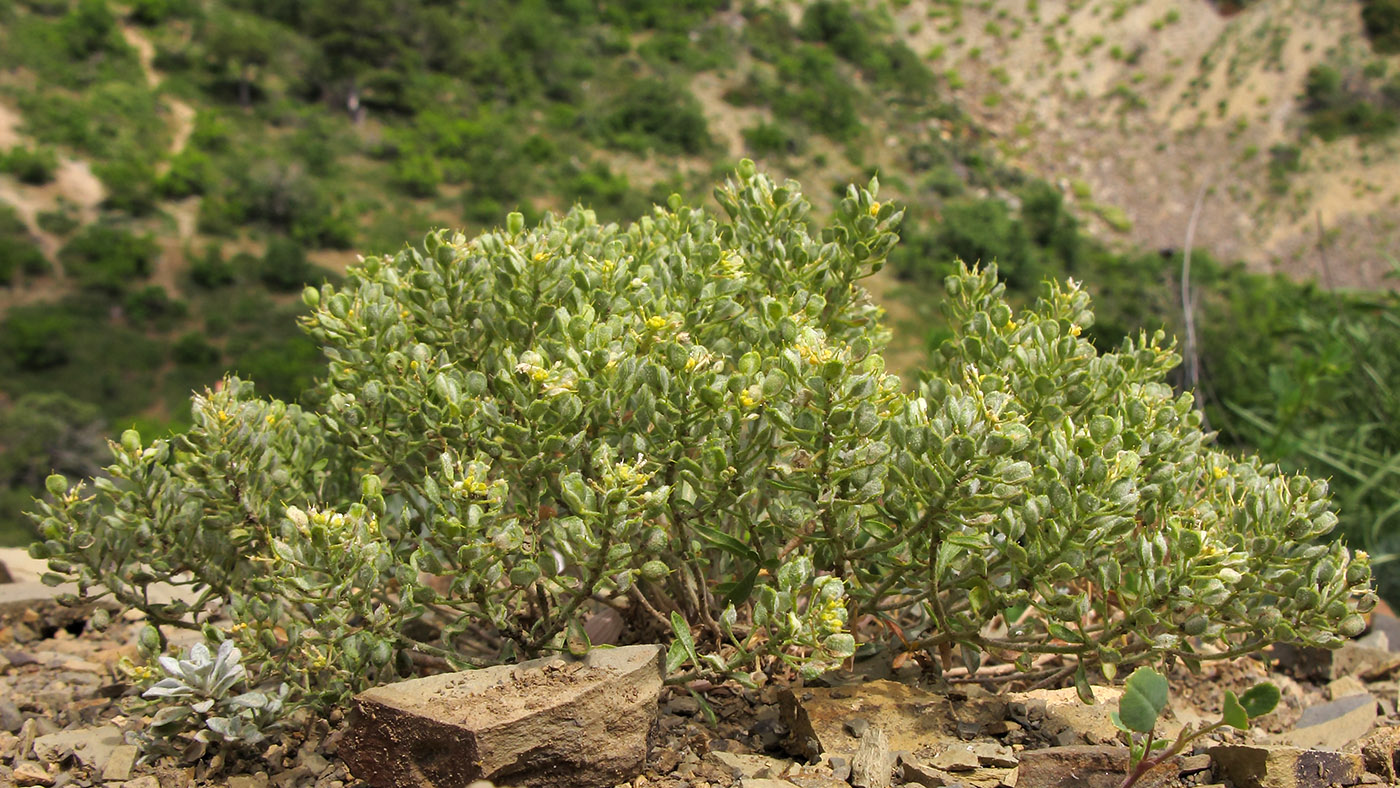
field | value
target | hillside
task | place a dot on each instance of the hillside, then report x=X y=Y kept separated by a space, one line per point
x=173 y=171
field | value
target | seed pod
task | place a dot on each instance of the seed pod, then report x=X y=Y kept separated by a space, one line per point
x=655 y=570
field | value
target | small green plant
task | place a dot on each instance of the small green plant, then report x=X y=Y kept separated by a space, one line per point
x=196 y=702
x=1145 y=698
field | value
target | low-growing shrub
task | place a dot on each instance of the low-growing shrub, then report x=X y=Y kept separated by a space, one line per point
x=689 y=420
x=34 y=166
x=108 y=259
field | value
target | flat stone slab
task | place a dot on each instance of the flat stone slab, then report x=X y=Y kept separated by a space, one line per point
x=1334 y=724
x=1273 y=766
x=547 y=723
x=913 y=720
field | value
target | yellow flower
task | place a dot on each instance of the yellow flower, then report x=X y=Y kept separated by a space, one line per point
x=1075 y=330
x=874 y=208
x=657 y=323
x=746 y=399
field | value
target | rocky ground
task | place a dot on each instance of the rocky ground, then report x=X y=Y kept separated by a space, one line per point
x=65 y=710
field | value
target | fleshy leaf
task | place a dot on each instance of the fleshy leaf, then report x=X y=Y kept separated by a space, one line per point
x=1144 y=698
x=1234 y=714
x=1260 y=699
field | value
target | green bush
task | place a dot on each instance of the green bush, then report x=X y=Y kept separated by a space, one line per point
x=193 y=349
x=191 y=173
x=210 y=271
x=130 y=184
x=153 y=306
x=652 y=114
x=1382 y=19
x=691 y=419
x=107 y=258
x=18 y=252
x=36 y=338
x=34 y=166
x=284 y=265
x=769 y=139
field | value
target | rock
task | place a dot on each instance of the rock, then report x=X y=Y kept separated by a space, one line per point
x=31 y=773
x=1389 y=624
x=1082 y=766
x=915 y=772
x=1333 y=724
x=1276 y=766
x=993 y=754
x=1380 y=751
x=873 y=764
x=684 y=706
x=144 y=781
x=1345 y=687
x=1352 y=659
x=764 y=782
x=120 y=763
x=92 y=747
x=911 y=719
x=5 y=576
x=248 y=781
x=857 y=726
x=10 y=718
x=956 y=758
x=548 y=723
x=746 y=765
x=1065 y=719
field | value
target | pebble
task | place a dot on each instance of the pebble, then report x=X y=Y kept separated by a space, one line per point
x=857 y=726
x=10 y=717
x=31 y=773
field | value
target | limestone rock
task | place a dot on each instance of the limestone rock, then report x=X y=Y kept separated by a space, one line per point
x=548 y=723
x=91 y=747
x=1276 y=766
x=120 y=763
x=873 y=764
x=1332 y=725
x=745 y=765
x=1064 y=719
x=911 y=719
x=31 y=773
x=1381 y=753
x=1081 y=766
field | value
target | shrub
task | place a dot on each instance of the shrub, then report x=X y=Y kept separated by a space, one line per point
x=131 y=185
x=651 y=114
x=194 y=350
x=769 y=139
x=284 y=265
x=18 y=252
x=1382 y=19
x=36 y=338
x=210 y=271
x=108 y=258
x=690 y=419
x=34 y=166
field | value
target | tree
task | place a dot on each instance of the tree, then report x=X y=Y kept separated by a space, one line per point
x=239 y=47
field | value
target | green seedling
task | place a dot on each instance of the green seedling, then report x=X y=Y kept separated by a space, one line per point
x=1144 y=699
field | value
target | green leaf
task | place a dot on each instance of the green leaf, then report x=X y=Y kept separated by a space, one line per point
x=1081 y=685
x=739 y=594
x=1260 y=699
x=683 y=636
x=1234 y=714
x=1144 y=698
x=725 y=542
x=675 y=656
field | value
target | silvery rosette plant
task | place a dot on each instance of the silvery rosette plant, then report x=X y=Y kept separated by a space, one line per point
x=685 y=424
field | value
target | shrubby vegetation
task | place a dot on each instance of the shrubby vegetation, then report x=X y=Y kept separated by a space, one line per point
x=690 y=420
